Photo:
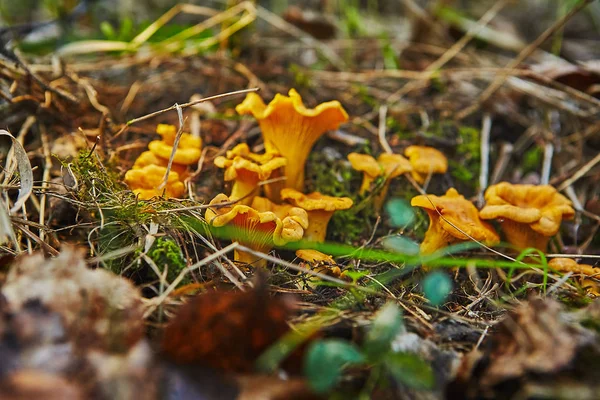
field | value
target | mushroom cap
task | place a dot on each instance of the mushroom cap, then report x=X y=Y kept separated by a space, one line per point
x=149 y=158
x=314 y=256
x=365 y=163
x=457 y=211
x=241 y=161
x=425 y=160
x=316 y=201
x=294 y=219
x=256 y=227
x=186 y=141
x=564 y=264
x=540 y=206
x=394 y=164
x=145 y=181
x=184 y=156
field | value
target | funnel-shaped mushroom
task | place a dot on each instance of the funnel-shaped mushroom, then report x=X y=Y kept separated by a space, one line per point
x=426 y=161
x=257 y=230
x=529 y=214
x=247 y=169
x=188 y=149
x=320 y=209
x=291 y=129
x=145 y=181
x=387 y=165
x=446 y=214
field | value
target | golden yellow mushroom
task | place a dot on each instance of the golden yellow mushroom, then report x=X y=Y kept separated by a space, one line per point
x=293 y=218
x=387 y=165
x=188 y=150
x=426 y=161
x=529 y=214
x=254 y=229
x=149 y=158
x=145 y=181
x=247 y=170
x=291 y=129
x=320 y=209
x=589 y=274
x=452 y=219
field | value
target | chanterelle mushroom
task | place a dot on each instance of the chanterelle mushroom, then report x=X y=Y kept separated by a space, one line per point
x=387 y=165
x=256 y=230
x=426 y=161
x=149 y=158
x=457 y=212
x=529 y=214
x=291 y=129
x=320 y=209
x=145 y=182
x=188 y=149
x=247 y=169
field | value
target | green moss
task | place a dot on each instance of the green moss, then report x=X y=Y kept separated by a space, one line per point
x=165 y=253
x=337 y=178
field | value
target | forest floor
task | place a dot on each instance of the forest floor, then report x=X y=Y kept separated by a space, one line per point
x=106 y=294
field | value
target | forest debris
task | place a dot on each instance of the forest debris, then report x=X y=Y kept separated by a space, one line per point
x=99 y=309
x=24 y=166
x=532 y=341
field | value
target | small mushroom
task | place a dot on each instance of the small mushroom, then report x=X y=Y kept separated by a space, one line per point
x=254 y=229
x=319 y=262
x=149 y=158
x=188 y=150
x=247 y=169
x=291 y=129
x=295 y=219
x=145 y=181
x=320 y=209
x=425 y=161
x=457 y=212
x=388 y=165
x=529 y=214
x=586 y=271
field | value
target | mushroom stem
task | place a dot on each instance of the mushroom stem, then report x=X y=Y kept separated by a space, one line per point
x=522 y=236
x=380 y=197
x=273 y=190
x=366 y=183
x=317 y=228
x=249 y=258
x=243 y=188
x=436 y=237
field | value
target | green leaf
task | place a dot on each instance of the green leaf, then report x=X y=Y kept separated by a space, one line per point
x=386 y=325
x=400 y=212
x=436 y=287
x=410 y=370
x=325 y=361
x=107 y=30
x=400 y=244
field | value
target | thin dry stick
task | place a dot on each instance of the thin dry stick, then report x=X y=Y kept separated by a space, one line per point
x=305 y=38
x=485 y=157
x=175 y=145
x=158 y=302
x=450 y=53
x=45 y=178
x=185 y=105
x=581 y=172
x=526 y=52
x=547 y=164
x=381 y=131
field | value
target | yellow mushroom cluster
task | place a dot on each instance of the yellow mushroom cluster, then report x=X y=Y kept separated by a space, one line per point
x=267 y=205
x=149 y=169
